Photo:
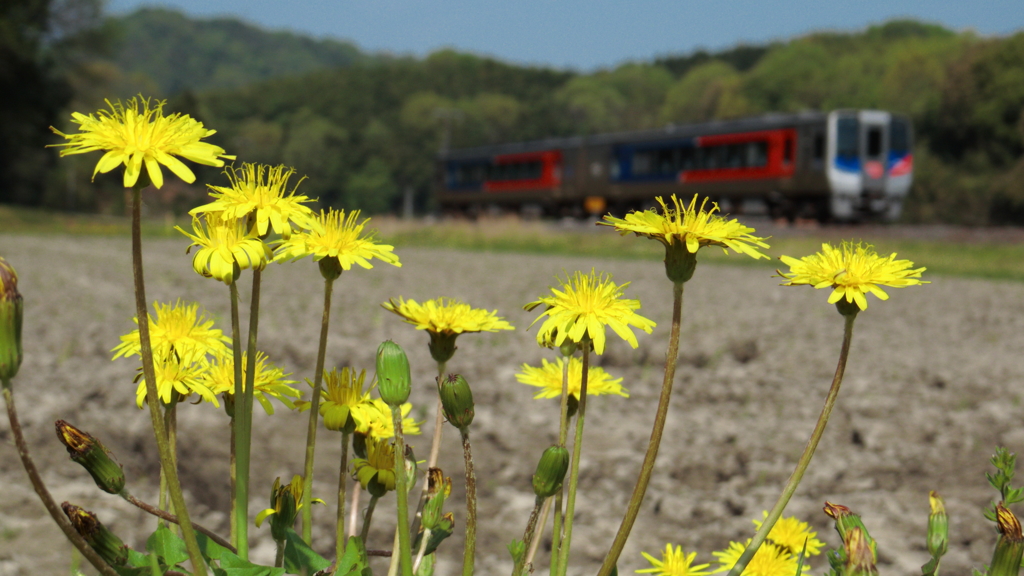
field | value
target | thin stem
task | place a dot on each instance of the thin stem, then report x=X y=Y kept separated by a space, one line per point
x=232 y=473
x=531 y=526
x=422 y=551
x=244 y=449
x=314 y=418
x=164 y=515
x=395 y=562
x=563 y=433
x=37 y=483
x=367 y=518
x=574 y=467
x=532 y=552
x=171 y=424
x=469 y=553
x=633 y=508
x=354 y=514
x=279 y=556
x=435 y=450
x=152 y=398
x=240 y=494
x=805 y=458
x=341 y=541
x=402 y=488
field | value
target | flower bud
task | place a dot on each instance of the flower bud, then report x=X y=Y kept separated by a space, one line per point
x=437 y=534
x=457 y=400
x=938 y=526
x=860 y=553
x=846 y=520
x=103 y=541
x=1009 y=547
x=554 y=462
x=442 y=346
x=93 y=456
x=284 y=507
x=438 y=489
x=11 y=309
x=330 y=267
x=394 y=380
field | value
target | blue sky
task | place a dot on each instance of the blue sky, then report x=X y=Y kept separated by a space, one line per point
x=585 y=34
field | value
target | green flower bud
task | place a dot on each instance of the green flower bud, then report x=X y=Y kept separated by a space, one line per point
x=11 y=309
x=846 y=520
x=1009 y=547
x=860 y=553
x=93 y=456
x=438 y=489
x=680 y=263
x=394 y=380
x=103 y=541
x=938 y=526
x=457 y=400
x=285 y=502
x=442 y=345
x=437 y=534
x=554 y=462
x=330 y=268
x=411 y=468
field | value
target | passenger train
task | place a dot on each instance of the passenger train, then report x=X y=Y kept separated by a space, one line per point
x=844 y=165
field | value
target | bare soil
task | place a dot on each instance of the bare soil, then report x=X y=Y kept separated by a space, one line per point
x=934 y=384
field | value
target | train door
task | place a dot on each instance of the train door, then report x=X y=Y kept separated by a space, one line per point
x=843 y=163
x=874 y=151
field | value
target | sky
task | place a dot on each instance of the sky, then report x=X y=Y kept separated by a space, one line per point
x=585 y=35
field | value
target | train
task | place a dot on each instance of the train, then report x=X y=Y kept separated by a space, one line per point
x=843 y=165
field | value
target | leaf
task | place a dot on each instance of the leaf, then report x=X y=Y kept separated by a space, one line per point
x=299 y=558
x=232 y=565
x=353 y=562
x=210 y=549
x=516 y=548
x=167 y=546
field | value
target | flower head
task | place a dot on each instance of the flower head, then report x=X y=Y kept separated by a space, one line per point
x=226 y=246
x=177 y=327
x=259 y=191
x=791 y=534
x=341 y=397
x=851 y=270
x=548 y=377
x=338 y=237
x=137 y=133
x=446 y=316
x=584 y=305
x=269 y=380
x=769 y=560
x=376 y=472
x=373 y=418
x=184 y=373
x=674 y=563
x=695 y=227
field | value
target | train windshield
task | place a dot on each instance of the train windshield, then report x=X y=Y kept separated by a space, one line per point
x=846 y=139
x=899 y=136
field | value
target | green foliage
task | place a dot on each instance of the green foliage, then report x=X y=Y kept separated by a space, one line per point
x=354 y=561
x=299 y=558
x=517 y=548
x=1005 y=463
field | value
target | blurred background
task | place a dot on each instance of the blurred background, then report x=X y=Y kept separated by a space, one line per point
x=361 y=96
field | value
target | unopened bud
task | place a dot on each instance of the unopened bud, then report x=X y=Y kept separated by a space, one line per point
x=1009 y=547
x=551 y=468
x=11 y=309
x=437 y=534
x=394 y=380
x=284 y=502
x=938 y=526
x=103 y=541
x=860 y=553
x=846 y=520
x=457 y=400
x=438 y=489
x=93 y=456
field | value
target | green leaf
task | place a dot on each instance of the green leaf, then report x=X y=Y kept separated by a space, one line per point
x=167 y=546
x=210 y=549
x=354 y=561
x=299 y=558
x=138 y=559
x=516 y=548
x=232 y=565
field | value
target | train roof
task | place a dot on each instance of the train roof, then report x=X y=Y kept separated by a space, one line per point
x=671 y=131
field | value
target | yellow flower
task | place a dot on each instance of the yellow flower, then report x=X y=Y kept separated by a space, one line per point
x=223 y=245
x=695 y=227
x=178 y=328
x=582 y=308
x=134 y=134
x=339 y=237
x=769 y=560
x=373 y=418
x=674 y=563
x=340 y=397
x=184 y=373
x=446 y=316
x=269 y=380
x=791 y=533
x=258 y=190
x=548 y=377
x=852 y=270
x=376 y=472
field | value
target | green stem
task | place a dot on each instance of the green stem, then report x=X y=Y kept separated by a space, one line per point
x=563 y=433
x=402 y=488
x=37 y=483
x=633 y=508
x=279 y=556
x=469 y=552
x=240 y=494
x=340 y=540
x=152 y=398
x=314 y=418
x=244 y=453
x=574 y=467
x=532 y=550
x=805 y=458
x=171 y=423
x=366 y=519
x=531 y=526
x=233 y=475
x=435 y=450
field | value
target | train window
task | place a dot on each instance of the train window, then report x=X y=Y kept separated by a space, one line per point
x=735 y=155
x=531 y=170
x=874 y=148
x=787 y=150
x=642 y=163
x=666 y=161
x=757 y=154
x=846 y=138
x=687 y=158
x=819 y=146
x=899 y=136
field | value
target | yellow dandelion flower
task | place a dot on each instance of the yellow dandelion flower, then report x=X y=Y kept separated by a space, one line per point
x=373 y=418
x=137 y=133
x=851 y=270
x=226 y=247
x=791 y=533
x=769 y=560
x=446 y=316
x=269 y=380
x=376 y=472
x=177 y=327
x=259 y=191
x=183 y=373
x=695 y=227
x=548 y=377
x=582 y=308
x=674 y=563
x=339 y=398
x=339 y=237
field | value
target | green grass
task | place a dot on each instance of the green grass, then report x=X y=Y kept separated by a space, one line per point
x=1002 y=261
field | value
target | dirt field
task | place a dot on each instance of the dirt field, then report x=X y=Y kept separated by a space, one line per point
x=934 y=385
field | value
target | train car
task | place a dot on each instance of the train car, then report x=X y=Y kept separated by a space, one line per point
x=843 y=165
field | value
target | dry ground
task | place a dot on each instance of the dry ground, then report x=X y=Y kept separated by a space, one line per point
x=934 y=384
